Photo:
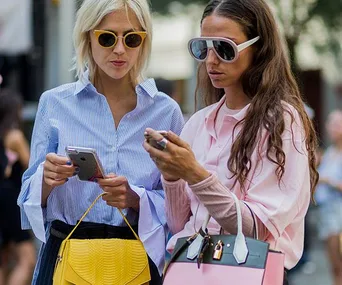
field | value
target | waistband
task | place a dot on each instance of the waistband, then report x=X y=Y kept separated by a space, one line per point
x=90 y=230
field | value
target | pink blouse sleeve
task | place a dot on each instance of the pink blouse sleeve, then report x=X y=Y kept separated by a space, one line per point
x=177 y=204
x=282 y=206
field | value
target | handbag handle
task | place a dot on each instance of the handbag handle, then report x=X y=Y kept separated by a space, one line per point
x=240 y=251
x=255 y=224
x=86 y=213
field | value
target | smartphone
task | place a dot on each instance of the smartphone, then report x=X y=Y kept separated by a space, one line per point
x=87 y=161
x=153 y=142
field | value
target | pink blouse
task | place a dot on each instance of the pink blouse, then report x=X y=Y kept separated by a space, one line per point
x=279 y=208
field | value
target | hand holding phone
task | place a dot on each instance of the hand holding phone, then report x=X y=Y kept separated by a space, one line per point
x=57 y=170
x=150 y=140
x=90 y=167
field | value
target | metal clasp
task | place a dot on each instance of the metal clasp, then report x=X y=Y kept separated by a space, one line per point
x=218 y=250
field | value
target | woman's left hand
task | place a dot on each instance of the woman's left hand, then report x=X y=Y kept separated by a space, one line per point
x=177 y=159
x=118 y=192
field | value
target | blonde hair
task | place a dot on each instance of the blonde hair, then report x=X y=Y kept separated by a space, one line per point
x=90 y=15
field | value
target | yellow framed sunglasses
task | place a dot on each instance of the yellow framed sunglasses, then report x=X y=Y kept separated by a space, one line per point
x=108 y=39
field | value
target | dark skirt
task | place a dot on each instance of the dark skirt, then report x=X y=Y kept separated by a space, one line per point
x=86 y=230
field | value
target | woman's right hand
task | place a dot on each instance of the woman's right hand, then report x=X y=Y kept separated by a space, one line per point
x=57 y=170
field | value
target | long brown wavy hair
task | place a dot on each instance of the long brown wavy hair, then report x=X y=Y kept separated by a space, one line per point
x=268 y=82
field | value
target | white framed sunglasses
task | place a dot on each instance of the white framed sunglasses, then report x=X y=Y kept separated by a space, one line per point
x=224 y=48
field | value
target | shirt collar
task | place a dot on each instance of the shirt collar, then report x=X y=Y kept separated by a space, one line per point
x=149 y=85
x=82 y=82
x=211 y=115
x=238 y=116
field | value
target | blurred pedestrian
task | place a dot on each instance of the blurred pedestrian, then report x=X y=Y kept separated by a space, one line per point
x=329 y=195
x=16 y=42
x=107 y=109
x=3 y=165
x=18 y=243
x=3 y=161
x=3 y=157
x=253 y=139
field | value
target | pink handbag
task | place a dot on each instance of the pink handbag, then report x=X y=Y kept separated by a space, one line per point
x=224 y=259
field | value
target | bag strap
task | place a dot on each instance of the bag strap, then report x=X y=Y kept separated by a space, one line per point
x=240 y=251
x=255 y=224
x=86 y=213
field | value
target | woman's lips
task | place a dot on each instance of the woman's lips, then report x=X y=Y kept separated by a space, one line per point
x=215 y=74
x=118 y=63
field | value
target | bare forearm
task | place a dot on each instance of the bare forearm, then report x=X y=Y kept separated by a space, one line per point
x=46 y=190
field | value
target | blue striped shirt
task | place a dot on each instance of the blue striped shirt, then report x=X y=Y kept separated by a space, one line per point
x=77 y=115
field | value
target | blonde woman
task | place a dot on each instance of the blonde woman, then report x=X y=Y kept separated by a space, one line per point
x=107 y=109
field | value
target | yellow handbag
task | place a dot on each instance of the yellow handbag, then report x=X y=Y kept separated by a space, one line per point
x=110 y=261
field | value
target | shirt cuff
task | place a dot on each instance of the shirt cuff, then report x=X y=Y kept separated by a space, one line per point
x=150 y=228
x=208 y=182
x=170 y=183
x=32 y=204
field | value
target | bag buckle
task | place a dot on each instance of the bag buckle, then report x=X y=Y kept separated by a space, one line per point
x=192 y=238
x=204 y=246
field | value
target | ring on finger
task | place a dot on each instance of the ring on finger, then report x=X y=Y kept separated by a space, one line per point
x=163 y=143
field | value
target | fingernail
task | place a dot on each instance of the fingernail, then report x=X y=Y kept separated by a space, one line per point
x=69 y=162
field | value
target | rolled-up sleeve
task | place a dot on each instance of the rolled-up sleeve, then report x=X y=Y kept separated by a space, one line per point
x=29 y=200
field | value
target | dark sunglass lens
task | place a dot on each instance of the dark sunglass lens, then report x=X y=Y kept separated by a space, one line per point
x=106 y=40
x=199 y=49
x=133 y=40
x=225 y=50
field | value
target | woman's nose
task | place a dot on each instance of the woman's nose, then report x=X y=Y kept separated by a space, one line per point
x=119 y=48
x=212 y=57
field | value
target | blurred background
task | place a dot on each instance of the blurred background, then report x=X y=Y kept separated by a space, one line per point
x=36 y=51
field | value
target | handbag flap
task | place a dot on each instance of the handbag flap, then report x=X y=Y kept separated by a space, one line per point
x=107 y=261
x=256 y=258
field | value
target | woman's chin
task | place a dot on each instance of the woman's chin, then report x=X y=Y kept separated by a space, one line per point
x=116 y=74
x=218 y=84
